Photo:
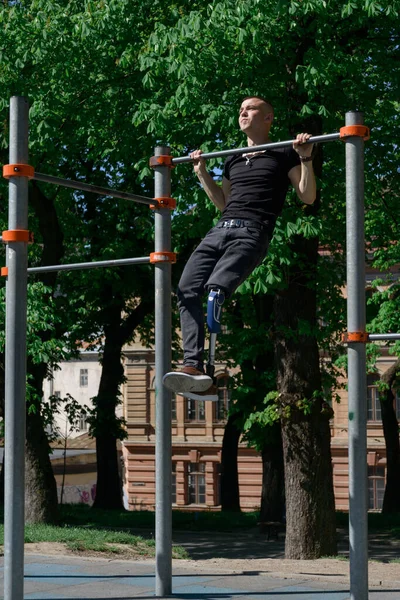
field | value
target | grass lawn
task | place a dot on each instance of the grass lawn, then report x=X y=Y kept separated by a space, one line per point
x=82 y=529
x=84 y=516
x=93 y=534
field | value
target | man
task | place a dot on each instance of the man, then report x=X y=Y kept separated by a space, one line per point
x=251 y=197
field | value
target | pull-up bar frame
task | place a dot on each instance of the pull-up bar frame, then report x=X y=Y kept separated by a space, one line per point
x=270 y=146
x=17 y=238
x=15 y=356
x=94 y=189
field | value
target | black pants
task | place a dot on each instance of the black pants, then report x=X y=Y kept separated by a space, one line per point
x=224 y=259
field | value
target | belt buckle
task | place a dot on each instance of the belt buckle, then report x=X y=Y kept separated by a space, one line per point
x=232 y=223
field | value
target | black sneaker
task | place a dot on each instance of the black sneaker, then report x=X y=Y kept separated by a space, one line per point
x=188 y=379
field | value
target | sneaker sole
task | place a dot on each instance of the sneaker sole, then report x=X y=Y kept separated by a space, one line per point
x=194 y=396
x=182 y=382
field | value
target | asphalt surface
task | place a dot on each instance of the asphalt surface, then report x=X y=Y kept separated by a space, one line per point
x=60 y=576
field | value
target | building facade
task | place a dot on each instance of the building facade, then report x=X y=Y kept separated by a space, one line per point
x=197 y=433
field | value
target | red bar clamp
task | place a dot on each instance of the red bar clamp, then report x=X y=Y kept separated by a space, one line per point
x=163 y=160
x=17 y=235
x=18 y=170
x=355 y=130
x=164 y=202
x=165 y=257
x=355 y=336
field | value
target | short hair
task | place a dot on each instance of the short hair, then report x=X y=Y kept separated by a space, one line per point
x=267 y=102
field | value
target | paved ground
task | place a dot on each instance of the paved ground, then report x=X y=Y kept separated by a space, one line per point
x=224 y=567
x=253 y=545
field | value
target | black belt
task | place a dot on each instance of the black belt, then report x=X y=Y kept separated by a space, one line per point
x=239 y=223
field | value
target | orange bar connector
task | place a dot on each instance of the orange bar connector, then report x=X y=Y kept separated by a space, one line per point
x=17 y=235
x=4 y=271
x=355 y=130
x=164 y=202
x=18 y=170
x=165 y=257
x=355 y=336
x=164 y=160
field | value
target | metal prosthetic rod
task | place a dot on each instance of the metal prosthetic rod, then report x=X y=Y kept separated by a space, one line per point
x=216 y=298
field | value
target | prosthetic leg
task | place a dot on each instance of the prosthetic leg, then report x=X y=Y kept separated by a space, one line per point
x=216 y=298
x=190 y=382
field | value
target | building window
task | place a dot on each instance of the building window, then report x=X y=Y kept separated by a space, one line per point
x=83 y=378
x=173 y=407
x=218 y=484
x=224 y=397
x=373 y=402
x=376 y=487
x=195 y=410
x=173 y=483
x=196 y=483
x=57 y=394
x=397 y=404
x=82 y=423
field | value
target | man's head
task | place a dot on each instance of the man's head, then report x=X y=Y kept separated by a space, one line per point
x=255 y=115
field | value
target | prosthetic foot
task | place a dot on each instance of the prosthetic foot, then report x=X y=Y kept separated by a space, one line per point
x=186 y=380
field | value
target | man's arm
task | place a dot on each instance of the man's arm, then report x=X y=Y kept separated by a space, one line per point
x=217 y=194
x=302 y=177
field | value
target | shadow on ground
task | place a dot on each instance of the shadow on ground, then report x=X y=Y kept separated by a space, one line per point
x=252 y=544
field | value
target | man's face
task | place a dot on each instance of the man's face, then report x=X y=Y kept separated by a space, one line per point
x=254 y=115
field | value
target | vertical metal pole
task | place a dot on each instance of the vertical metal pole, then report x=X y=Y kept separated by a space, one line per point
x=15 y=360
x=162 y=175
x=357 y=385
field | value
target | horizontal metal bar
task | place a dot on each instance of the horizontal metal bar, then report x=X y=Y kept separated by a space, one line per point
x=313 y=140
x=383 y=336
x=91 y=265
x=95 y=189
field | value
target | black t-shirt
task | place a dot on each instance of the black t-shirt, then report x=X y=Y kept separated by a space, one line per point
x=259 y=185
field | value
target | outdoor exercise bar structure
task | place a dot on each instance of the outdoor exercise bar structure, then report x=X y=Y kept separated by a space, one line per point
x=120 y=262
x=330 y=137
x=16 y=270
x=95 y=189
x=17 y=237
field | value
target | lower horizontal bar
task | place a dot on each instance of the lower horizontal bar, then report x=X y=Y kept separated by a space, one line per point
x=95 y=189
x=383 y=336
x=91 y=265
x=330 y=137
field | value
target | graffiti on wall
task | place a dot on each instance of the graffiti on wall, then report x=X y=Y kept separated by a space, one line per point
x=78 y=494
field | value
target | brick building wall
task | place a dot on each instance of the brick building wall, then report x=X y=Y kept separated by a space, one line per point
x=197 y=433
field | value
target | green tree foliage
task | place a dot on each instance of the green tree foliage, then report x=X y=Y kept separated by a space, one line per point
x=77 y=63
x=313 y=63
x=107 y=80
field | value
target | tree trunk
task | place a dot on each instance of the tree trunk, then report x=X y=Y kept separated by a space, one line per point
x=41 y=504
x=108 y=488
x=310 y=507
x=273 y=481
x=106 y=428
x=391 y=500
x=2 y=479
x=230 y=499
x=40 y=485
